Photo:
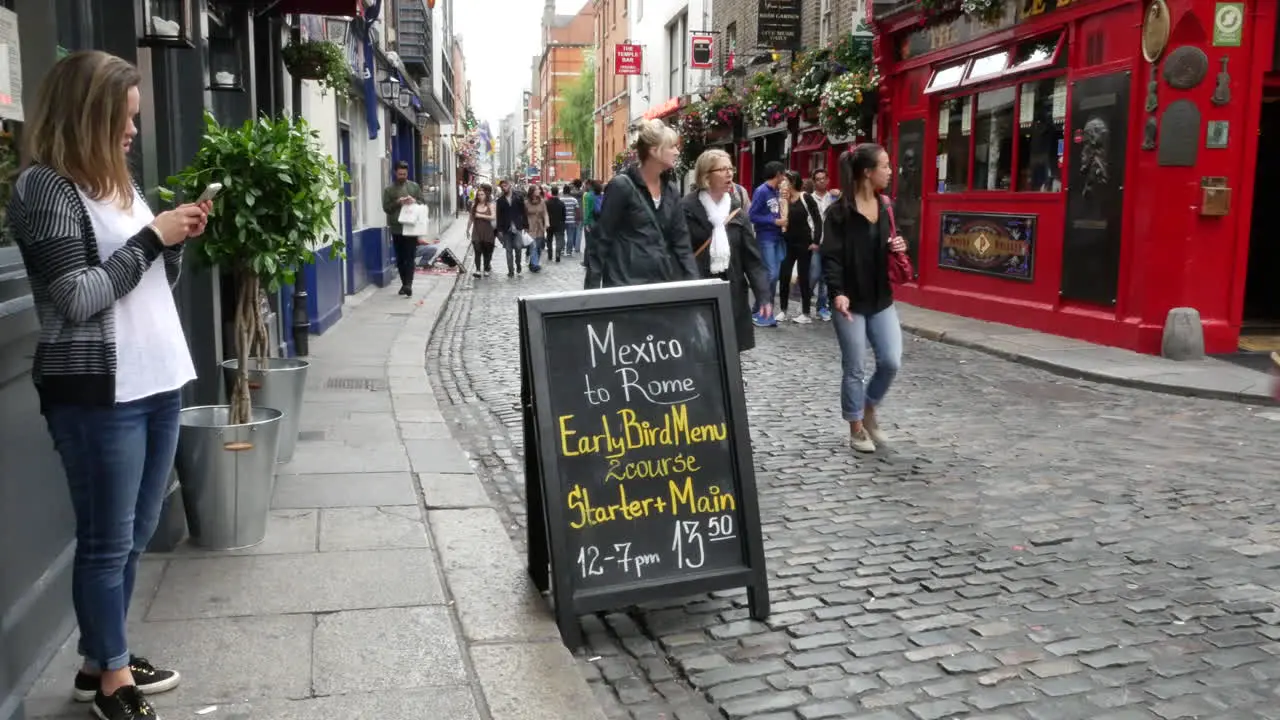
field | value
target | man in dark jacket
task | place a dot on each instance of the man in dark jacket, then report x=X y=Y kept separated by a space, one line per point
x=511 y=220
x=555 y=223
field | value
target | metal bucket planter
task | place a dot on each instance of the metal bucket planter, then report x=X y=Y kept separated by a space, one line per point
x=278 y=383
x=227 y=473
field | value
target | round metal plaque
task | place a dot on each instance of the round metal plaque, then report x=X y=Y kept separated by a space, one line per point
x=1155 y=30
x=1185 y=67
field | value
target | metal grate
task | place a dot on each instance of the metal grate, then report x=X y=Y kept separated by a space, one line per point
x=311 y=435
x=341 y=383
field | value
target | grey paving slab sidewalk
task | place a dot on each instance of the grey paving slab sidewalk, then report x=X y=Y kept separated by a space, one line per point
x=1208 y=378
x=387 y=586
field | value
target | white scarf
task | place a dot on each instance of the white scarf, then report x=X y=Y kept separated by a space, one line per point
x=718 y=214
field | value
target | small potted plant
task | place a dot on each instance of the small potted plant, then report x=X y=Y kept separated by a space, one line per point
x=280 y=191
x=8 y=175
x=319 y=60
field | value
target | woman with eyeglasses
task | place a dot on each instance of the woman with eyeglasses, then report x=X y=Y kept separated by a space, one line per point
x=724 y=244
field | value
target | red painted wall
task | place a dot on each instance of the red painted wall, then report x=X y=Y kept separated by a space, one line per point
x=1171 y=256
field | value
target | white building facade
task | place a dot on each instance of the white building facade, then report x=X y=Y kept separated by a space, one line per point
x=663 y=29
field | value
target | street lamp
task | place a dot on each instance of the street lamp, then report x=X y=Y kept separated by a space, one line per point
x=390 y=88
x=163 y=23
x=406 y=98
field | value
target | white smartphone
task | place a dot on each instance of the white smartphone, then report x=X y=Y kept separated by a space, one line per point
x=210 y=192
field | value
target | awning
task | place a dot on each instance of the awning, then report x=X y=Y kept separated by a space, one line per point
x=811 y=140
x=336 y=8
x=657 y=112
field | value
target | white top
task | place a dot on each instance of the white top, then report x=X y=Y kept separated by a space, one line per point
x=151 y=350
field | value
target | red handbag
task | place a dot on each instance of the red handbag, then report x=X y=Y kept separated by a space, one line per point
x=900 y=270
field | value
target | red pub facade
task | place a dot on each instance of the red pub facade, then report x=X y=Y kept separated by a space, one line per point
x=1080 y=167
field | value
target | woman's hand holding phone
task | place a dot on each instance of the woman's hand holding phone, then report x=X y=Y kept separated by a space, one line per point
x=176 y=225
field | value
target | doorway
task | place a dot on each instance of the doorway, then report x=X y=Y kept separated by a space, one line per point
x=1260 y=329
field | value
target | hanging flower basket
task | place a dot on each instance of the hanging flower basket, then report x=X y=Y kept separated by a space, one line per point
x=769 y=99
x=321 y=61
x=843 y=113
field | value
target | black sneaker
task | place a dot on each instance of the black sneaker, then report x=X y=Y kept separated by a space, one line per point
x=127 y=703
x=149 y=678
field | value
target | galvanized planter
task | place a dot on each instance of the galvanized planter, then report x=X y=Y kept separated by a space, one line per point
x=278 y=383
x=228 y=474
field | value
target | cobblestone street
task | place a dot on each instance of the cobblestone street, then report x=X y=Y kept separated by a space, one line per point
x=1030 y=546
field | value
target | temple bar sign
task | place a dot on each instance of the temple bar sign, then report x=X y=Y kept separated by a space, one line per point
x=964 y=28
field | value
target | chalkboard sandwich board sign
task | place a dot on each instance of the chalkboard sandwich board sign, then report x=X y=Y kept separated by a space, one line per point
x=638 y=468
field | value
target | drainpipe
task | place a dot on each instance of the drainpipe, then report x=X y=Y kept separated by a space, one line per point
x=301 y=318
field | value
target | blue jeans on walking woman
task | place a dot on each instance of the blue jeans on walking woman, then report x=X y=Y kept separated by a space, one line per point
x=117 y=461
x=883 y=335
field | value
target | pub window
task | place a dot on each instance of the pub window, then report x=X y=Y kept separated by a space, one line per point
x=1037 y=53
x=1042 y=113
x=993 y=140
x=987 y=67
x=954 y=124
x=946 y=78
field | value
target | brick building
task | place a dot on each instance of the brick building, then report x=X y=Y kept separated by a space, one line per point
x=567 y=42
x=613 y=99
x=825 y=21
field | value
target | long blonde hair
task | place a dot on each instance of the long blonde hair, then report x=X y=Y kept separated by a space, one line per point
x=78 y=122
x=653 y=135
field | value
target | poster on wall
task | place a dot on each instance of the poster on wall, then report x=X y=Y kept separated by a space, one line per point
x=995 y=244
x=10 y=67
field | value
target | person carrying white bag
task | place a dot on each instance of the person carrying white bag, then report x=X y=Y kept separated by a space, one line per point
x=407 y=217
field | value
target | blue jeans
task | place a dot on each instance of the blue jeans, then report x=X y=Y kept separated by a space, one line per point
x=884 y=336
x=535 y=252
x=773 y=251
x=817 y=283
x=572 y=233
x=117 y=461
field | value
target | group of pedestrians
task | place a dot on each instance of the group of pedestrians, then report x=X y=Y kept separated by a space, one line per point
x=843 y=243
x=531 y=223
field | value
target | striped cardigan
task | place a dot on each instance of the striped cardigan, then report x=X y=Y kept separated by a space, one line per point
x=73 y=290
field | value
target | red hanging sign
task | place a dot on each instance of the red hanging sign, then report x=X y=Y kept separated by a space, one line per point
x=702 y=55
x=628 y=59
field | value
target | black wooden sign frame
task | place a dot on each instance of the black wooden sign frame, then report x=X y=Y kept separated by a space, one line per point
x=549 y=554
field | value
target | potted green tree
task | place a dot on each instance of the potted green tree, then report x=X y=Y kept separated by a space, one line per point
x=280 y=192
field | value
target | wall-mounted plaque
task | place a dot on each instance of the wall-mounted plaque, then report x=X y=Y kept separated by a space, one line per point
x=1179 y=135
x=1155 y=30
x=1216 y=134
x=989 y=243
x=1185 y=67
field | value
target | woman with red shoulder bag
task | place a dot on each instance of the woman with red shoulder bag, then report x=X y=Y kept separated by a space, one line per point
x=860 y=250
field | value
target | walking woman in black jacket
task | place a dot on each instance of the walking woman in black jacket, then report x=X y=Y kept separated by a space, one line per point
x=641 y=236
x=803 y=235
x=716 y=205
x=857 y=240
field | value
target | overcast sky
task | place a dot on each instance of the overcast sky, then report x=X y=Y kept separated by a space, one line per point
x=499 y=39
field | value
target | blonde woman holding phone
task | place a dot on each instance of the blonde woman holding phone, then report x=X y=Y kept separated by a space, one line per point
x=111 y=357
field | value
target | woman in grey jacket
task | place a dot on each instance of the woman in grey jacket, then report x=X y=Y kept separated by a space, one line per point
x=641 y=236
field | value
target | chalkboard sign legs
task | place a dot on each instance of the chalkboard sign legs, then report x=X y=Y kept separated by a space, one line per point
x=758 y=601
x=539 y=550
